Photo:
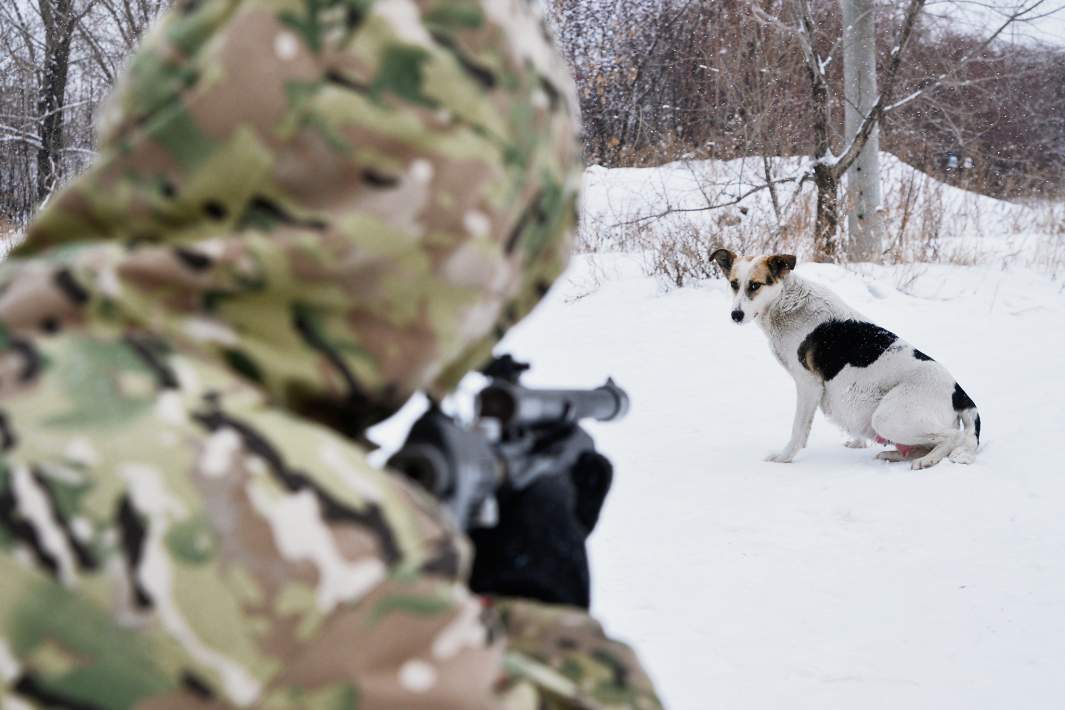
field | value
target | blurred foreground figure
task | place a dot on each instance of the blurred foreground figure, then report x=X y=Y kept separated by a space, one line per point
x=302 y=213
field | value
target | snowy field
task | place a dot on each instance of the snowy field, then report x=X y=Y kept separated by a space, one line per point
x=836 y=581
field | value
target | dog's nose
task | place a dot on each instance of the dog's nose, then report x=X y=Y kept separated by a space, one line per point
x=737 y=316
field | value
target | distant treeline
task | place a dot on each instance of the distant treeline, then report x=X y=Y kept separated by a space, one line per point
x=659 y=80
x=665 y=79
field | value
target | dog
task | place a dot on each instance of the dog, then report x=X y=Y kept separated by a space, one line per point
x=870 y=382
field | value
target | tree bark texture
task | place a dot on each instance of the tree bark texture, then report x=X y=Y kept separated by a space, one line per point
x=826 y=179
x=826 y=226
x=59 y=23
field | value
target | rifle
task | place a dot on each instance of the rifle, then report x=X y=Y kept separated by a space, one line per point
x=511 y=443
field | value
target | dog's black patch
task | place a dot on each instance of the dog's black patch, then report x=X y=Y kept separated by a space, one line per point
x=977 y=428
x=835 y=344
x=960 y=400
x=921 y=356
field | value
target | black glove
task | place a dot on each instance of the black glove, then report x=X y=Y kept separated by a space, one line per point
x=537 y=549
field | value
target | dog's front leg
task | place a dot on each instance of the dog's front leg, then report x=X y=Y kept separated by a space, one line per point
x=807 y=395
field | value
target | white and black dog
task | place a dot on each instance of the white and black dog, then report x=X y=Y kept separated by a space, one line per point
x=867 y=380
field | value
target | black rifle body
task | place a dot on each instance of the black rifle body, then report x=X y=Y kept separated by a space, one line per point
x=510 y=446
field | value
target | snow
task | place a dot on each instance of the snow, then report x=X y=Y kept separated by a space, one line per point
x=969 y=226
x=836 y=581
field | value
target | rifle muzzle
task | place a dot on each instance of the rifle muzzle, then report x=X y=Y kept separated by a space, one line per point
x=514 y=405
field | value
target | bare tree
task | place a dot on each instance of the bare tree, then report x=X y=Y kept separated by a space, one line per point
x=58 y=58
x=829 y=168
x=59 y=20
x=865 y=229
x=668 y=80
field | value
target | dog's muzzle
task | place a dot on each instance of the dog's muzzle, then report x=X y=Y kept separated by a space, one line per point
x=737 y=316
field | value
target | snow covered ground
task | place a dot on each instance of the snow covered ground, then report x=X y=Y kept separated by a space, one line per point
x=923 y=217
x=836 y=581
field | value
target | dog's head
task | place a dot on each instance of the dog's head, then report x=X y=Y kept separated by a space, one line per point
x=756 y=281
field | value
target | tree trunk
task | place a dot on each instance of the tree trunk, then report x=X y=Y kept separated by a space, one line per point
x=59 y=24
x=826 y=246
x=826 y=176
x=865 y=229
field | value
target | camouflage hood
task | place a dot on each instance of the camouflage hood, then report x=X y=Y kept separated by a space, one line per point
x=342 y=200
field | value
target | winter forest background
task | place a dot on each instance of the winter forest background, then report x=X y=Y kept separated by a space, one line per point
x=58 y=60
x=977 y=100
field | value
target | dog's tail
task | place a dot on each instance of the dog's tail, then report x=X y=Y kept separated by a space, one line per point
x=970 y=422
x=969 y=417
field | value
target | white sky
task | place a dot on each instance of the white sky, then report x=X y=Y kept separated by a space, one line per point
x=984 y=16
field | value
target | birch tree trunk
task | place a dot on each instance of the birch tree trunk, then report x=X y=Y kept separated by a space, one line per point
x=865 y=230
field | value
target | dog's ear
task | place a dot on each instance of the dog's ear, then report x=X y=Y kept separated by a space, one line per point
x=724 y=259
x=780 y=265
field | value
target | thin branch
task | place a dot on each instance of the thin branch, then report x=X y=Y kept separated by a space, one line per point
x=1019 y=15
x=707 y=208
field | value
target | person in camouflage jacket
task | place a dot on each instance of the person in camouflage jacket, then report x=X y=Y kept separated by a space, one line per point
x=302 y=212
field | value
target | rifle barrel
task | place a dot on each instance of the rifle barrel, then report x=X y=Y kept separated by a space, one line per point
x=514 y=405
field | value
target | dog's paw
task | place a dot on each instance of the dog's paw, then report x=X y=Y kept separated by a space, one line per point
x=962 y=456
x=925 y=462
x=890 y=456
x=780 y=457
x=856 y=443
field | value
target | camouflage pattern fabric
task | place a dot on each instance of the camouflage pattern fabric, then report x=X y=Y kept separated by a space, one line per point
x=303 y=211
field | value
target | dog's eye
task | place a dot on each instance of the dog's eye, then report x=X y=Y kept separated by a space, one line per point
x=735 y=285
x=753 y=287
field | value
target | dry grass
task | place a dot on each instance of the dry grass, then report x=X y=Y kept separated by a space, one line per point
x=925 y=222
x=1049 y=253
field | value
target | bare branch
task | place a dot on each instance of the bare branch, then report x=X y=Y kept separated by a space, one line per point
x=707 y=208
x=1016 y=16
